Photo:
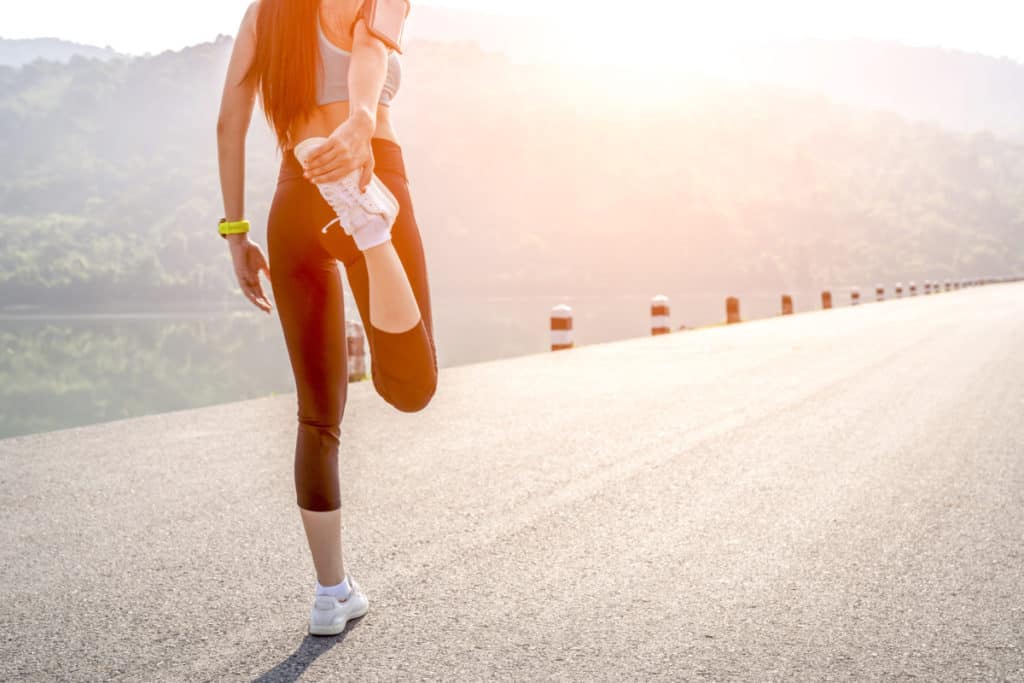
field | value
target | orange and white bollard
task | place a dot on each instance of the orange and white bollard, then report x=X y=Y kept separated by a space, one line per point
x=787 y=304
x=854 y=296
x=879 y=293
x=826 y=300
x=355 y=340
x=732 y=310
x=660 y=315
x=899 y=290
x=561 y=327
x=913 y=288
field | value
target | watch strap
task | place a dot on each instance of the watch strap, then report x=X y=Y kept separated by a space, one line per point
x=226 y=227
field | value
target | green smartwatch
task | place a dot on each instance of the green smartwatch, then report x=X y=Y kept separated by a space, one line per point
x=226 y=227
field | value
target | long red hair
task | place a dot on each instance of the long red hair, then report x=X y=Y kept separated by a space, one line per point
x=287 y=62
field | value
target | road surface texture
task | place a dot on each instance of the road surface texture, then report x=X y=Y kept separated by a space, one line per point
x=828 y=496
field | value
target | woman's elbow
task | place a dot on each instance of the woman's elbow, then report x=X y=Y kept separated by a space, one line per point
x=226 y=128
x=231 y=127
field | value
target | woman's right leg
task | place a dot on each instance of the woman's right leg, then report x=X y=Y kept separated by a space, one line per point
x=403 y=355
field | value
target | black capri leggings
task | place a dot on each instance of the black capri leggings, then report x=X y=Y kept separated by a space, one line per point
x=308 y=294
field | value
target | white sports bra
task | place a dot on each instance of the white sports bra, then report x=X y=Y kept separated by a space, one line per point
x=332 y=81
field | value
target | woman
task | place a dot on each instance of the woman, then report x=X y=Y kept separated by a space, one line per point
x=320 y=73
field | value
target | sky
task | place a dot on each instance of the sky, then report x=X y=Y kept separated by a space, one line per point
x=991 y=27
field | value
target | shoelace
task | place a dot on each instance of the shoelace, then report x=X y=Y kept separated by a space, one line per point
x=344 y=198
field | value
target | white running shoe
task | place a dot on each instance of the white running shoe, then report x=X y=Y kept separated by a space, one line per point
x=366 y=216
x=330 y=615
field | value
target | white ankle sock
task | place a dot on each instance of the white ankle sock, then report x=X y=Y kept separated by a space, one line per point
x=339 y=591
x=375 y=232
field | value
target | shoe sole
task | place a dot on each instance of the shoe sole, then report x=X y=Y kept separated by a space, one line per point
x=335 y=629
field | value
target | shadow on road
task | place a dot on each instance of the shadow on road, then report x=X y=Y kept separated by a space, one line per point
x=292 y=668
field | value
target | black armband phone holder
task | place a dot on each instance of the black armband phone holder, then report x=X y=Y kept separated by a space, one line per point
x=385 y=20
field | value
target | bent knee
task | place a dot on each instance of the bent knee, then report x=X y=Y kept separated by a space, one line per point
x=408 y=397
x=405 y=368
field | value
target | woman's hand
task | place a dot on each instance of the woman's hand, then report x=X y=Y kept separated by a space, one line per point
x=249 y=261
x=346 y=149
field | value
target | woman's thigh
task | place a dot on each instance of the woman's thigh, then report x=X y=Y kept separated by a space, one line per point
x=308 y=294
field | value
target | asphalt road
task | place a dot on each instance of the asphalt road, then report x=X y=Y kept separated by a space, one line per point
x=827 y=496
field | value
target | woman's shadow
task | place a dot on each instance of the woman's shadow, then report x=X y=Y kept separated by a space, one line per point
x=292 y=668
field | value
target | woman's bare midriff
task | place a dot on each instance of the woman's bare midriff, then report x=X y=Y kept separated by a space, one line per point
x=327 y=117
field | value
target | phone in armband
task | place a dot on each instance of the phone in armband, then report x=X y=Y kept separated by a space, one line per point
x=385 y=20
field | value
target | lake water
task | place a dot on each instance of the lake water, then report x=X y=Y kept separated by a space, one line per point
x=60 y=371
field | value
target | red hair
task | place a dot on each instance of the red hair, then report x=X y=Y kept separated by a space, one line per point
x=287 y=62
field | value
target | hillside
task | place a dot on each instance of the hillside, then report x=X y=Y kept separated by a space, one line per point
x=527 y=179
x=959 y=90
x=16 y=52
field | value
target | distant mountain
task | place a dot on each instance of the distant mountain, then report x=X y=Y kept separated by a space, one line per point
x=956 y=89
x=16 y=52
x=527 y=179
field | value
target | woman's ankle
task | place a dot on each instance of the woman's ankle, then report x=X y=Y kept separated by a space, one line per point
x=373 y=236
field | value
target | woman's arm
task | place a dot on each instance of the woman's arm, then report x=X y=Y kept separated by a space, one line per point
x=366 y=75
x=236 y=106
x=348 y=147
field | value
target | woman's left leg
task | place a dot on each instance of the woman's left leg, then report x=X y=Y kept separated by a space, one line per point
x=310 y=304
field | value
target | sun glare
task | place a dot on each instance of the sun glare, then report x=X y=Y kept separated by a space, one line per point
x=651 y=36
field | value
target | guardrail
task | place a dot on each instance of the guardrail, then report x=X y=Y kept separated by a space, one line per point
x=562 y=314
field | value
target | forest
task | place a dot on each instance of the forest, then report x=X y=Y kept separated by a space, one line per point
x=527 y=179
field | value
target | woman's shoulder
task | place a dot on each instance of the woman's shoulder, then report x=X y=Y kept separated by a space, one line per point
x=343 y=6
x=251 y=13
x=345 y=12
